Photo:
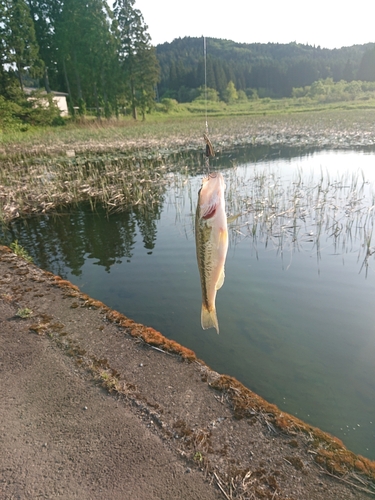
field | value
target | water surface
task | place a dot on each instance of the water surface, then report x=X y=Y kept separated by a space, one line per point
x=296 y=310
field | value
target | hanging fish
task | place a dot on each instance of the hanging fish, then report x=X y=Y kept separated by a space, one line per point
x=211 y=237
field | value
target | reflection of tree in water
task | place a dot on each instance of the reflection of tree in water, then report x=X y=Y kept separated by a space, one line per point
x=52 y=240
x=109 y=238
x=146 y=218
x=62 y=242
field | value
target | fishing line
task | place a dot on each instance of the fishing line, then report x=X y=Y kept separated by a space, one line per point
x=205 y=78
x=209 y=148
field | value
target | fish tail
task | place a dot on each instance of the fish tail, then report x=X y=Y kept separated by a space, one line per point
x=209 y=319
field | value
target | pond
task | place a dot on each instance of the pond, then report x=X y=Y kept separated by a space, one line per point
x=296 y=311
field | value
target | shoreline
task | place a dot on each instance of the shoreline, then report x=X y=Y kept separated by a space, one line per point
x=235 y=440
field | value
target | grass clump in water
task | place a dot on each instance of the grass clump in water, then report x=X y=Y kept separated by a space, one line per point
x=38 y=186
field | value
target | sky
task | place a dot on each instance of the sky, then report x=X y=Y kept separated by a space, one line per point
x=328 y=23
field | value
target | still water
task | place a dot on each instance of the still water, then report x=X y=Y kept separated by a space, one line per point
x=296 y=311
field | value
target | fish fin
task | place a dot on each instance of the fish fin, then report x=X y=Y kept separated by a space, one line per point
x=232 y=218
x=208 y=211
x=220 y=281
x=223 y=238
x=209 y=319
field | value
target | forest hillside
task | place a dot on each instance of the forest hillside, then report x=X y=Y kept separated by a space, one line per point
x=268 y=70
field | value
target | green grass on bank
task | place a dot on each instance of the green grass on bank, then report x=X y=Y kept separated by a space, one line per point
x=185 y=121
x=269 y=106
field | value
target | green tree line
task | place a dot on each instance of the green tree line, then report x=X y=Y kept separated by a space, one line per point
x=101 y=57
x=264 y=70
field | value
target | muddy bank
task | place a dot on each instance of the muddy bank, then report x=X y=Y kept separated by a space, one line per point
x=97 y=406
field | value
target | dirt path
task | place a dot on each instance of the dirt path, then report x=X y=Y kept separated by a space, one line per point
x=63 y=437
x=89 y=410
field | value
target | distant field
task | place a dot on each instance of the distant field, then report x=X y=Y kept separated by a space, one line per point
x=263 y=121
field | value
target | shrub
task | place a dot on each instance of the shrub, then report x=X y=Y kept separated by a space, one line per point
x=230 y=94
x=242 y=97
x=9 y=112
x=208 y=93
x=168 y=104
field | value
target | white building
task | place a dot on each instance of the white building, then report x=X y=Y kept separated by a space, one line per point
x=59 y=98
